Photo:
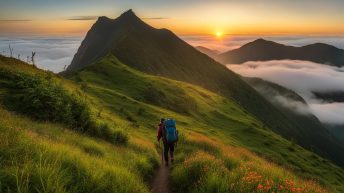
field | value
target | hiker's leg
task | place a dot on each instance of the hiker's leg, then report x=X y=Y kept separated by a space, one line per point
x=172 y=151
x=166 y=148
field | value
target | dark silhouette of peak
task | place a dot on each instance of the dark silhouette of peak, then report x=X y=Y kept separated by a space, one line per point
x=263 y=42
x=160 y=52
x=128 y=14
x=103 y=18
x=130 y=17
x=263 y=50
x=322 y=47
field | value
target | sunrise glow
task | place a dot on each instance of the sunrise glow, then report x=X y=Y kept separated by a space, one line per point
x=218 y=34
x=193 y=17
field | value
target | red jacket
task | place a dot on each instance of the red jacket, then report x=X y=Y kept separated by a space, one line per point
x=161 y=132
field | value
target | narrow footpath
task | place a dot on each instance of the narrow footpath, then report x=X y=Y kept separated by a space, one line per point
x=160 y=183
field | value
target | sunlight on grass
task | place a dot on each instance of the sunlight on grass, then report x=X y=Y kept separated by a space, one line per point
x=233 y=169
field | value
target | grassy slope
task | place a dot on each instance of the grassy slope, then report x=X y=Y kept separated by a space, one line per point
x=123 y=90
x=159 y=52
x=46 y=157
x=215 y=130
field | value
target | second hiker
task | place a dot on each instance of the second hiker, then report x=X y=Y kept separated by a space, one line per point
x=168 y=133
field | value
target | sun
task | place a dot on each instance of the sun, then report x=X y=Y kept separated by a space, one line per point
x=218 y=34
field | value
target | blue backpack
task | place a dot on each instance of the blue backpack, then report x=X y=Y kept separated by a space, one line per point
x=171 y=130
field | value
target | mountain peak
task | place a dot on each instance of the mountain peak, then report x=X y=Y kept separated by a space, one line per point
x=260 y=40
x=103 y=18
x=263 y=41
x=129 y=15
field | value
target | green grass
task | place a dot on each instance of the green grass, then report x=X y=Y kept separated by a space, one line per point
x=41 y=156
x=231 y=169
x=120 y=88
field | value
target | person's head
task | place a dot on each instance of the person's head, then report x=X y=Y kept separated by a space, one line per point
x=162 y=120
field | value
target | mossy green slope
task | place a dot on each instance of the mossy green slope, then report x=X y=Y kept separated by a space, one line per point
x=138 y=97
x=41 y=156
x=160 y=52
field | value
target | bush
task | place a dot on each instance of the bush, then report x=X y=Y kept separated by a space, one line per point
x=42 y=98
x=104 y=131
x=119 y=137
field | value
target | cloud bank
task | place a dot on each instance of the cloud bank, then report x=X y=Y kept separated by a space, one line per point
x=52 y=53
x=283 y=99
x=303 y=77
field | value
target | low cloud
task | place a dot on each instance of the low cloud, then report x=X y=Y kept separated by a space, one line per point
x=331 y=113
x=294 y=105
x=284 y=100
x=52 y=53
x=304 y=78
x=14 y=20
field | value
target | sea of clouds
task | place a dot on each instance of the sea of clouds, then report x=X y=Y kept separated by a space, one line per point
x=55 y=53
x=304 y=78
x=52 y=53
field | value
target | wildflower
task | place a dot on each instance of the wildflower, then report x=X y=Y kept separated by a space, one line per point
x=260 y=187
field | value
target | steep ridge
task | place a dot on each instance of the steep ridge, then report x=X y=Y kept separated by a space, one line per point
x=264 y=50
x=160 y=52
x=46 y=156
x=143 y=99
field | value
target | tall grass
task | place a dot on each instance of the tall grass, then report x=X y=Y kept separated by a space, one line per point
x=43 y=98
x=125 y=93
x=68 y=162
x=231 y=169
x=45 y=156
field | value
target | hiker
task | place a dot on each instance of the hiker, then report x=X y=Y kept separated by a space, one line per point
x=169 y=134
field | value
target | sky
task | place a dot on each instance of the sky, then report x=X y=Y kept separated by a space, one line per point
x=181 y=16
x=54 y=29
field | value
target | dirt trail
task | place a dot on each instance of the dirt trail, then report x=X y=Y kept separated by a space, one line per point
x=160 y=183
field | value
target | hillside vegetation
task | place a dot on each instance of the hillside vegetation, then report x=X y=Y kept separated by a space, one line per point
x=222 y=147
x=160 y=52
x=123 y=91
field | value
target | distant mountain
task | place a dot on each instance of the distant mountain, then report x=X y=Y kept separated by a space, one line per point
x=211 y=53
x=263 y=50
x=160 y=52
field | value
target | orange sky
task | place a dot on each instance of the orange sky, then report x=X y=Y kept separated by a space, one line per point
x=245 y=17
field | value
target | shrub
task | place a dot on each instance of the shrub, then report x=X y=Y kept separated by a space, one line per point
x=42 y=98
x=119 y=137
x=104 y=131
